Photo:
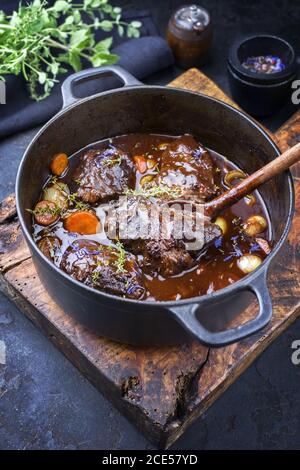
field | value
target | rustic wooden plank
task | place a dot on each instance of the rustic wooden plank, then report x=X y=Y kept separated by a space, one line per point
x=7 y=208
x=194 y=80
x=10 y=236
x=162 y=390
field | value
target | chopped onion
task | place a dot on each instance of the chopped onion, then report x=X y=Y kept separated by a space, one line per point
x=250 y=199
x=233 y=175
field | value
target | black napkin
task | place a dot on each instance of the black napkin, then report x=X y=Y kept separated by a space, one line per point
x=141 y=57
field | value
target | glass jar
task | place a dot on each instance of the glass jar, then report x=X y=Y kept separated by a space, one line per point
x=189 y=35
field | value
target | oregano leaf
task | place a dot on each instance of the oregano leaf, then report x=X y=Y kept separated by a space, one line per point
x=39 y=41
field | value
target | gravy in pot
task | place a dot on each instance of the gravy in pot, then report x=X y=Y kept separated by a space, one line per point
x=75 y=239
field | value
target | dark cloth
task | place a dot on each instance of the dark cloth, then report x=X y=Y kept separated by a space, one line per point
x=141 y=57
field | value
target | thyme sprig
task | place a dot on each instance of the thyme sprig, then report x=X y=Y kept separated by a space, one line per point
x=155 y=191
x=95 y=276
x=38 y=40
x=119 y=251
x=113 y=161
x=119 y=263
x=76 y=203
x=47 y=210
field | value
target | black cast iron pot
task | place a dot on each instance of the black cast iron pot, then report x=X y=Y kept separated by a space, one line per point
x=163 y=110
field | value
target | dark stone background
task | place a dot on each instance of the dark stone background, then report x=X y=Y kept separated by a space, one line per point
x=45 y=403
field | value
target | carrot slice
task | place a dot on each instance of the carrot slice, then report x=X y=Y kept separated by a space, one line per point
x=59 y=164
x=141 y=163
x=46 y=213
x=83 y=222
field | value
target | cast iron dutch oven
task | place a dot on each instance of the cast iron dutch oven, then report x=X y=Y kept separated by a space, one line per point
x=163 y=110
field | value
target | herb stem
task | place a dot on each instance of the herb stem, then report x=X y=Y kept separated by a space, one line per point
x=58 y=45
x=6 y=26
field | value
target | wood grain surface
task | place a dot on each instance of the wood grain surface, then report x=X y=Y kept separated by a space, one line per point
x=161 y=390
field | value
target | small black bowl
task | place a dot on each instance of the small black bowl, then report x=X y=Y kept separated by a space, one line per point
x=261 y=94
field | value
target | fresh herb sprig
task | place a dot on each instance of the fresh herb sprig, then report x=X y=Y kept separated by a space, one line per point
x=119 y=263
x=39 y=41
x=95 y=276
x=72 y=198
x=45 y=210
x=76 y=203
x=113 y=161
x=119 y=251
x=155 y=191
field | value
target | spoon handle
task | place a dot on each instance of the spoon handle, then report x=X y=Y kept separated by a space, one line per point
x=247 y=185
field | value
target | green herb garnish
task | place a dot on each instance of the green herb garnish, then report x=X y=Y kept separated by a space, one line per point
x=155 y=191
x=119 y=263
x=45 y=211
x=77 y=204
x=113 y=161
x=53 y=179
x=95 y=276
x=118 y=249
x=38 y=40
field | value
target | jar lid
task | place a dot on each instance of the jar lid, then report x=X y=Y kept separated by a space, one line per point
x=189 y=21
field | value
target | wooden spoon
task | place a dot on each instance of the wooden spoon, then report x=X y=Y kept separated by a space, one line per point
x=247 y=185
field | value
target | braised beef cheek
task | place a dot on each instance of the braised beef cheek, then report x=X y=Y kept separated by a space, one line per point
x=187 y=164
x=104 y=174
x=97 y=265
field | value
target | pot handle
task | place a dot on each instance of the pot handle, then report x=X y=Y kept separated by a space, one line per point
x=186 y=316
x=90 y=74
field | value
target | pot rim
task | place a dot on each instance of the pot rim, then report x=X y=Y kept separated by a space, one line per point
x=214 y=296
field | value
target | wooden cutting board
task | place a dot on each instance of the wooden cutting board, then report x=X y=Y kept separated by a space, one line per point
x=161 y=390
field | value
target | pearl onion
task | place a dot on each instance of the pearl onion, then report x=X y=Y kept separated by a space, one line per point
x=255 y=224
x=248 y=263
